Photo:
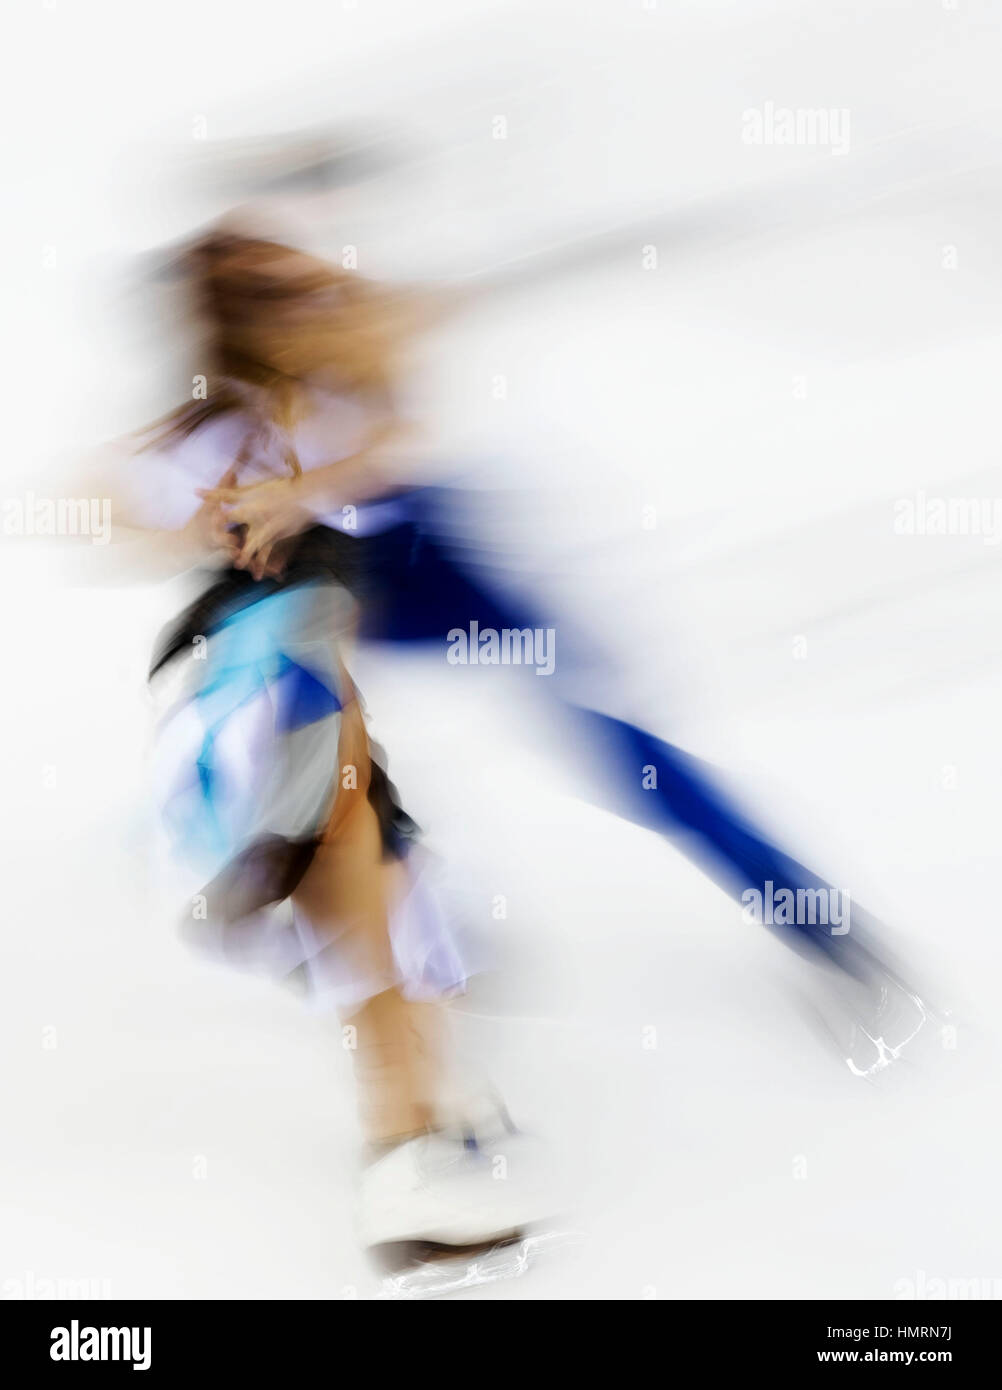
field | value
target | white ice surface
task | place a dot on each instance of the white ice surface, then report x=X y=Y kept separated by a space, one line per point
x=180 y=1131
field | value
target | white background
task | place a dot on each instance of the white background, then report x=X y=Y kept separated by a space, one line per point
x=800 y=359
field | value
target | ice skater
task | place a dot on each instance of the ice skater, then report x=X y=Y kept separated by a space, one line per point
x=272 y=790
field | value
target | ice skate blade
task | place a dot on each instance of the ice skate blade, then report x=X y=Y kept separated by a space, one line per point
x=871 y=1054
x=435 y=1271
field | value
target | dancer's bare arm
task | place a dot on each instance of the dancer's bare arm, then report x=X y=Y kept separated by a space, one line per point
x=281 y=507
x=142 y=550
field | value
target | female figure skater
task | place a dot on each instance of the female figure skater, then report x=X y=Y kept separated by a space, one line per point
x=273 y=790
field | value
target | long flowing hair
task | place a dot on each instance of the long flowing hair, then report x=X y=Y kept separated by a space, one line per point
x=275 y=320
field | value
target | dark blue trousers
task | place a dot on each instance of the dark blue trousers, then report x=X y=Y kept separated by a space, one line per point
x=418 y=583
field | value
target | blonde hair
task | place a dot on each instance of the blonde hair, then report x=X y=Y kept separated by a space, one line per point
x=275 y=319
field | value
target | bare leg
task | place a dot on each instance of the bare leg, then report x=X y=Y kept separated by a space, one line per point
x=348 y=893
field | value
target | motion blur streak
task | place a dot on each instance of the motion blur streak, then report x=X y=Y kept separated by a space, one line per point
x=521 y=446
